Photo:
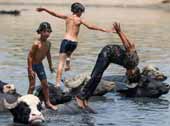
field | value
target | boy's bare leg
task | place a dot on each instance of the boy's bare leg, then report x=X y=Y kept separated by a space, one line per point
x=80 y=102
x=68 y=67
x=46 y=95
x=62 y=58
x=31 y=84
x=86 y=103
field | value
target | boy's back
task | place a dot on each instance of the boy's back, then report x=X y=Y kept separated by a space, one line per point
x=72 y=27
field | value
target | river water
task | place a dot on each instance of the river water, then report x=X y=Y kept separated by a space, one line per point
x=148 y=28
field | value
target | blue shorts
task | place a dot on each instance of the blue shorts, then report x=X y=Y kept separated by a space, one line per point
x=68 y=46
x=39 y=69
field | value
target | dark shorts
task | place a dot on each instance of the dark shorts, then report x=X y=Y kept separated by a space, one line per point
x=67 y=46
x=39 y=69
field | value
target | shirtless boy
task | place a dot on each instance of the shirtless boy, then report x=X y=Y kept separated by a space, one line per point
x=69 y=43
x=40 y=49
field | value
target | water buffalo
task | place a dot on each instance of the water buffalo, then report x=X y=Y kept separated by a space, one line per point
x=7 y=87
x=150 y=84
x=26 y=109
x=73 y=85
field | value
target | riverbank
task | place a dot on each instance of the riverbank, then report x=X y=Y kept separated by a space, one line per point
x=158 y=4
x=87 y=2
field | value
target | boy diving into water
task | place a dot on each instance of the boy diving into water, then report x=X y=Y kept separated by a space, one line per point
x=124 y=55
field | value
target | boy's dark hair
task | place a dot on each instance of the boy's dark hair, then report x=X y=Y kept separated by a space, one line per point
x=135 y=77
x=44 y=26
x=77 y=7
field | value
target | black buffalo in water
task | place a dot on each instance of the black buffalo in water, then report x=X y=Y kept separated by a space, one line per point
x=149 y=85
x=7 y=88
x=73 y=85
x=26 y=109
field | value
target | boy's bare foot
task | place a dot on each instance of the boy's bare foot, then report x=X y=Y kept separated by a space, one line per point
x=50 y=106
x=80 y=103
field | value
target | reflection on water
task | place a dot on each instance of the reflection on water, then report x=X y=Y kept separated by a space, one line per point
x=149 y=29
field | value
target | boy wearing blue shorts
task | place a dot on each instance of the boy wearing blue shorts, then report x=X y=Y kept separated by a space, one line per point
x=40 y=49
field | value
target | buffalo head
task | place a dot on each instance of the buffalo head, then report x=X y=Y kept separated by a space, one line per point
x=27 y=110
x=145 y=88
x=150 y=84
x=154 y=73
x=7 y=88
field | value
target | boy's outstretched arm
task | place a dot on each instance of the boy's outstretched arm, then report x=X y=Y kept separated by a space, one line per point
x=62 y=16
x=50 y=60
x=94 y=27
x=126 y=42
x=30 y=60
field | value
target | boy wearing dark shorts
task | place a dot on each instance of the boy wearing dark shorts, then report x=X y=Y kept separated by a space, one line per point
x=40 y=49
x=69 y=44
